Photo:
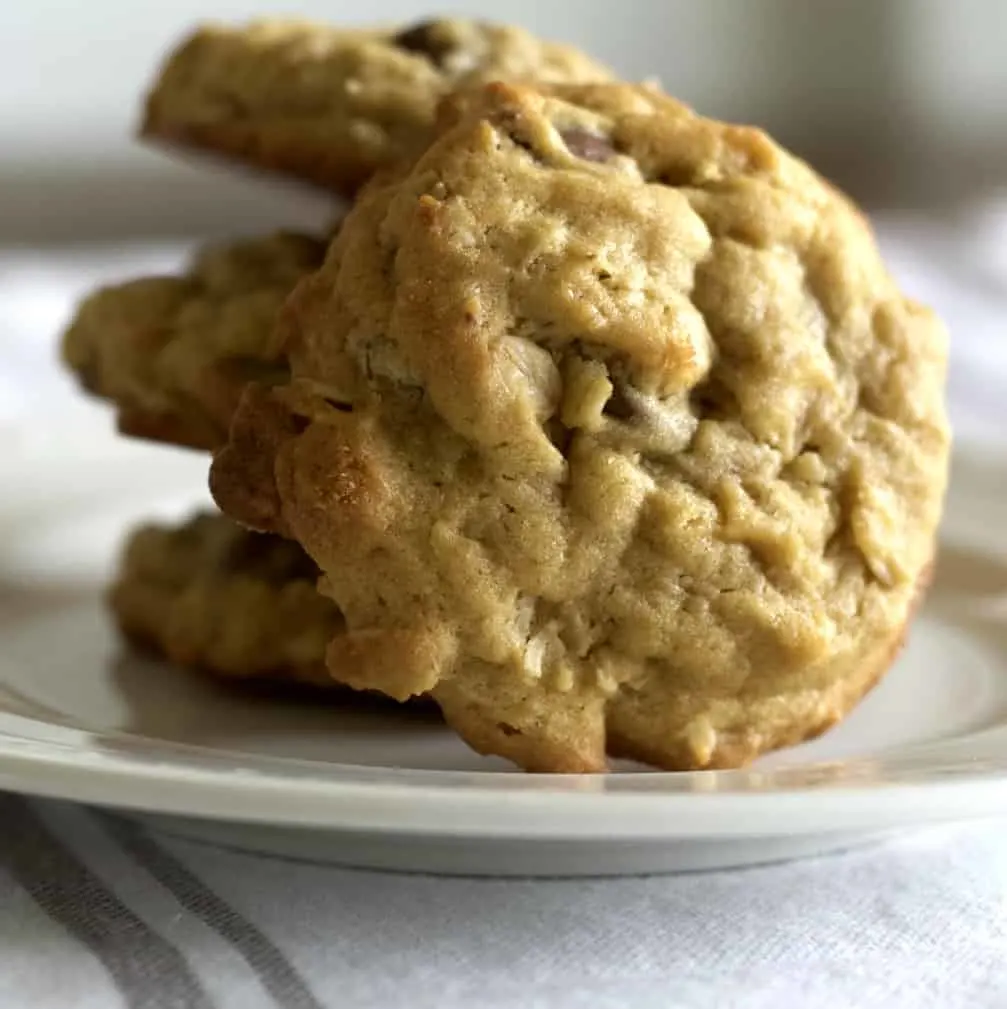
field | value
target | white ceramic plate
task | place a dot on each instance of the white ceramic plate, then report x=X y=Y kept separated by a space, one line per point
x=83 y=718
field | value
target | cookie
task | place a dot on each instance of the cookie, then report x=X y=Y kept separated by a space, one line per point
x=213 y=596
x=609 y=429
x=174 y=353
x=331 y=106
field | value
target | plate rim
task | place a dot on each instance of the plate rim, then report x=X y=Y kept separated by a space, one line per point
x=651 y=805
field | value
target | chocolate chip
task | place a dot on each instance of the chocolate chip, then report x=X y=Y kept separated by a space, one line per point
x=587 y=145
x=427 y=38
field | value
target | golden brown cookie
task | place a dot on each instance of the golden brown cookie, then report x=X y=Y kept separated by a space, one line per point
x=213 y=596
x=609 y=429
x=329 y=105
x=174 y=353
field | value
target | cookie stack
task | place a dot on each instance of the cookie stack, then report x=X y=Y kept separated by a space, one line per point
x=173 y=354
x=598 y=423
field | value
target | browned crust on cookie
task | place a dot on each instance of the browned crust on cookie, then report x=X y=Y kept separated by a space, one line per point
x=280 y=152
x=168 y=429
x=241 y=478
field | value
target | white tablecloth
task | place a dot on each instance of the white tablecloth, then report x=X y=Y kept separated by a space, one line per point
x=97 y=912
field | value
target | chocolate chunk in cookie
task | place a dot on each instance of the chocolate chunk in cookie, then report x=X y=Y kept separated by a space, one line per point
x=433 y=39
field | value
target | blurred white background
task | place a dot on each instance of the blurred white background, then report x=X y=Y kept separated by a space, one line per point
x=901 y=101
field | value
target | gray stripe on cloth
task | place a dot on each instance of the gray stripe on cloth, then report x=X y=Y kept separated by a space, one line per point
x=275 y=972
x=149 y=971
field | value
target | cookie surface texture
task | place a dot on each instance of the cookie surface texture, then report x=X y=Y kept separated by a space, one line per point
x=609 y=429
